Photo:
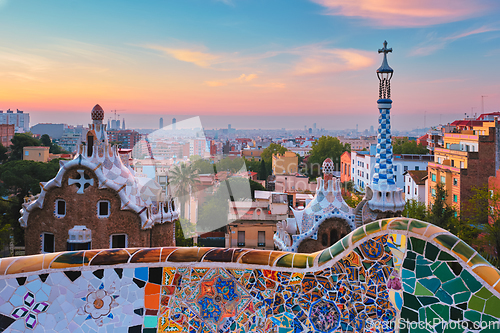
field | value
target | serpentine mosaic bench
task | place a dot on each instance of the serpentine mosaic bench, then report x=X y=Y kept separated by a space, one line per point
x=387 y=276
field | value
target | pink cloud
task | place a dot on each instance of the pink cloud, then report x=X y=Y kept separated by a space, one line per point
x=408 y=13
x=325 y=61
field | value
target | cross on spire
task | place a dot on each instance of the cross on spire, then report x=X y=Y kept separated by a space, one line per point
x=385 y=50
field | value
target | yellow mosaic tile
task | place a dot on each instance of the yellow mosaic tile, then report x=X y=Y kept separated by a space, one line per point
x=372 y=227
x=147 y=255
x=26 y=264
x=287 y=261
x=488 y=274
x=384 y=224
x=5 y=262
x=300 y=260
x=68 y=259
x=48 y=257
x=88 y=255
x=165 y=252
x=432 y=230
x=464 y=251
x=274 y=255
x=399 y=224
x=255 y=257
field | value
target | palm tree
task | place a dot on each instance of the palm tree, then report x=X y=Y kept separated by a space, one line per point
x=183 y=177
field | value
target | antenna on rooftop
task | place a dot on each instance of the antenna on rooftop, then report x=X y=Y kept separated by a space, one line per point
x=482 y=103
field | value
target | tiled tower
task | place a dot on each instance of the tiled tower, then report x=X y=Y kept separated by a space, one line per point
x=386 y=196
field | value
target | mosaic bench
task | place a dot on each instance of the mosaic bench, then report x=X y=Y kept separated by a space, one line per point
x=394 y=275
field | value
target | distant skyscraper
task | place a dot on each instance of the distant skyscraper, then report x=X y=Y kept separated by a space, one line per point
x=356 y=128
x=118 y=124
x=123 y=124
x=371 y=129
x=314 y=126
x=20 y=120
x=310 y=130
x=229 y=126
x=161 y=123
x=174 y=121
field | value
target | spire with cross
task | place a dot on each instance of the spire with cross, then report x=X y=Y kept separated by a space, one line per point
x=384 y=73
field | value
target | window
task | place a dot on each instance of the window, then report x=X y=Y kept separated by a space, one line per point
x=241 y=238
x=405 y=168
x=455 y=181
x=462 y=165
x=439 y=160
x=26 y=153
x=452 y=163
x=118 y=241
x=415 y=191
x=443 y=179
x=408 y=189
x=48 y=242
x=103 y=208
x=395 y=178
x=455 y=198
x=433 y=177
x=395 y=168
x=433 y=192
x=417 y=167
x=261 y=241
x=60 y=208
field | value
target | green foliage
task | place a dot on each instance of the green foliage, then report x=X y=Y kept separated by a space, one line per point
x=183 y=178
x=263 y=174
x=323 y=148
x=416 y=210
x=45 y=140
x=183 y=226
x=405 y=146
x=273 y=148
x=441 y=213
x=19 y=141
x=482 y=213
x=3 y=153
x=203 y=166
x=19 y=179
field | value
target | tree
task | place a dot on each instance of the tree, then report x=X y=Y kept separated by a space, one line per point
x=416 y=210
x=45 y=140
x=441 y=214
x=182 y=225
x=263 y=170
x=482 y=211
x=405 y=146
x=183 y=177
x=273 y=148
x=20 y=179
x=323 y=148
x=19 y=141
x=3 y=153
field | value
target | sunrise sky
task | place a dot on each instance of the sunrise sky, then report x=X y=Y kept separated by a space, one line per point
x=242 y=61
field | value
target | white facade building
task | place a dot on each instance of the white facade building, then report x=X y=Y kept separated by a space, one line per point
x=407 y=162
x=362 y=165
x=414 y=188
x=20 y=120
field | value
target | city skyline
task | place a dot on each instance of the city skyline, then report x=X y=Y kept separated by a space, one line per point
x=249 y=63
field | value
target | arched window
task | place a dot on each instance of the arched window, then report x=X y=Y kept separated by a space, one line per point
x=333 y=236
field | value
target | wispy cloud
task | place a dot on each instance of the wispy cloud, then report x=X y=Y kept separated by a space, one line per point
x=243 y=78
x=316 y=60
x=408 y=13
x=433 y=43
x=197 y=57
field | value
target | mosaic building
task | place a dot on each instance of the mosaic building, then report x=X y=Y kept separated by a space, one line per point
x=392 y=275
x=95 y=201
x=327 y=217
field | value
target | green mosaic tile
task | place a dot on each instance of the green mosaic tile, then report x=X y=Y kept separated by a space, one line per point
x=324 y=257
x=454 y=286
x=415 y=224
x=405 y=274
x=478 y=259
x=422 y=261
x=444 y=256
x=300 y=260
x=472 y=315
x=372 y=227
x=489 y=319
x=421 y=314
x=442 y=311
x=432 y=284
x=471 y=282
x=426 y=300
x=492 y=306
x=451 y=329
x=411 y=301
x=420 y=290
x=411 y=254
x=431 y=252
x=456 y=314
x=455 y=267
x=446 y=240
x=444 y=296
x=439 y=327
x=409 y=264
x=484 y=293
x=357 y=235
x=383 y=224
x=336 y=249
x=476 y=303
x=399 y=225
x=408 y=314
x=464 y=250
x=418 y=245
x=435 y=265
x=285 y=261
x=345 y=241
x=444 y=273
x=423 y=271
x=461 y=297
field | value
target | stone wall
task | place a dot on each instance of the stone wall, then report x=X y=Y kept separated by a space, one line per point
x=387 y=276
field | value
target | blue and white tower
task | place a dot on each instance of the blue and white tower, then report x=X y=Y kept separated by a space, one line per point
x=386 y=196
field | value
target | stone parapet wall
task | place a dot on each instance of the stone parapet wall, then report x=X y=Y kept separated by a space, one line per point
x=378 y=278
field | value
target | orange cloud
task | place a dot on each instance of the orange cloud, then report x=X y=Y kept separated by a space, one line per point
x=324 y=61
x=243 y=78
x=407 y=13
x=199 y=58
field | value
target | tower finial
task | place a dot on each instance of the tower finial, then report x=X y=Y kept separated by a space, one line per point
x=384 y=73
